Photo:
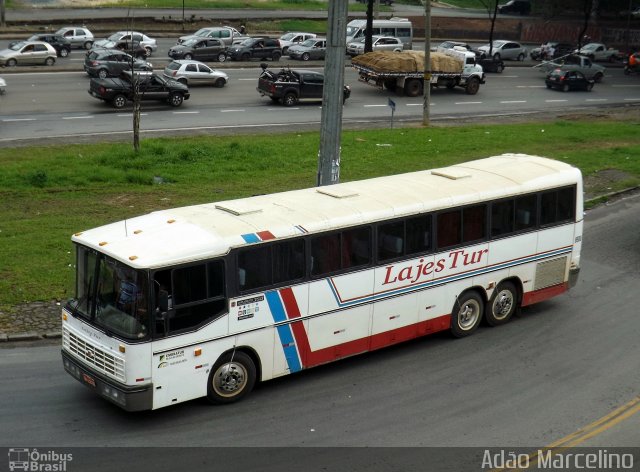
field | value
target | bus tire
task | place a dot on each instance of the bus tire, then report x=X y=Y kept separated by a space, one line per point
x=232 y=378
x=466 y=314
x=502 y=305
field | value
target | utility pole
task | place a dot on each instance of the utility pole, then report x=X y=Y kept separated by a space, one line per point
x=427 y=64
x=332 y=95
x=3 y=23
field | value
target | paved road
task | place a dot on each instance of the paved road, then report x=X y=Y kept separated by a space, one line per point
x=558 y=367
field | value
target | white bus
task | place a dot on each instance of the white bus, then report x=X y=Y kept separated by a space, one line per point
x=206 y=300
x=400 y=28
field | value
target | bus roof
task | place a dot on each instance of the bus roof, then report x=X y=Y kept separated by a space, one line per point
x=203 y=231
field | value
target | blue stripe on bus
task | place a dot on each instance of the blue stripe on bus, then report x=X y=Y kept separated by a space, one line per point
x=444 y=280
x=284 y=331
x=251 y=238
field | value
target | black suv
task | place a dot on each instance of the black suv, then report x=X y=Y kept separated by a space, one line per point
x=256 y=48
x=522 y=7
x=150 y=87
x=59 y=43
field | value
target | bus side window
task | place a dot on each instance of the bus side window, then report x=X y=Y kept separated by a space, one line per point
x=390 y=240
x=502 y=221
x=418 y=231
x=526 y=211
x=449 y=229
x=356 y=247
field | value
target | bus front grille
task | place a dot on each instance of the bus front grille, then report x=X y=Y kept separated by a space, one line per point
x=102 y=360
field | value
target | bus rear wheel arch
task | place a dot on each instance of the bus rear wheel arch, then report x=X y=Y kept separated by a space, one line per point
x=232 y=378
x=503 y=303
x=467 y=313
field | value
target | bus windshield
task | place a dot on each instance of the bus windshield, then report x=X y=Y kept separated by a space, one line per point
x=111 y=295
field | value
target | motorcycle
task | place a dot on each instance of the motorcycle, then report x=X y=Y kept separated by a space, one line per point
x=628 y=70
x=3 y=86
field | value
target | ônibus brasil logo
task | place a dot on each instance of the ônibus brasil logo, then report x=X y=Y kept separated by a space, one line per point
x=37 y=461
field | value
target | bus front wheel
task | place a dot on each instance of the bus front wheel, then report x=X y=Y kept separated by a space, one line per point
x=466 y=314
x=502 y=305
x=232 y=378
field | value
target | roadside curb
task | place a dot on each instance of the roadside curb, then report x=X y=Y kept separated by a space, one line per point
x=57 y=334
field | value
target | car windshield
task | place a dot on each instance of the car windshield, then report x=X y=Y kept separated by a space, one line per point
x=115 y=36
x=19 y=45
x=111 y=295
x=191 y=42
x=288 y=36
x=201 y=32
x=308 y=43
x=173 y=66
x=352 y=30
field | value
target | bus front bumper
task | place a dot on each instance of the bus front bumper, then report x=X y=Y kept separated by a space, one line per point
x=129 y=398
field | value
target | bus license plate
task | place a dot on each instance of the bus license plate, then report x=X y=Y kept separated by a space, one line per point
x=88 y=379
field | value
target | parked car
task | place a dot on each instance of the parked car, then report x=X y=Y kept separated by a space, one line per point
x=134 y=48
x=195 y=72
x=566 y=80
x=28 y=53
x=451 y=45
x=289 y=39
x=256 y=48
x=551 y=50
x=523 y=7
x=504 y=50
x=600 y=52
x=227 y=34
x=315 y=49
x=59 y=43
x=148 y=43
x=202 y=49
x=111 y=63
x=118 y=91
x=378 y=43
x=78 y=36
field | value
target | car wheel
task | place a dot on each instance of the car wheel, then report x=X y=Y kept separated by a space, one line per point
x=598 y=77
x=284 y=50
x=306 y=56
x=12 y=63
x=64 y=52
x=188 y=57
x=148 y=51
x=276 y=56
x=183 y=80
x=499 y=68
x=245 y=57
x=548 y=86
x=176 y=99
x=49 y=61
x=502 y=305
x=520 y=57
x=289 y=99
x=119 y=101
x=589 y=87
x=232 y=378
x=496 y=56
x=87 y=45
x=222 y=57
x=219 y=83
x=473 y=85
x=103 y=74
x=565 y=88
x=466 y=314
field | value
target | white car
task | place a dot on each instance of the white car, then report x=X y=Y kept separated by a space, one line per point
x=134 y=37
x=3 y=86
x=378 y=43
x=289 y=39
x=28 y=53
x=78 y=36
x=504 y=50
x=195 y=72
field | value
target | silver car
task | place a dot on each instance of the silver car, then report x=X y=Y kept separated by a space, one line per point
x=136 y=37
x=195 y=72
x=78 y=36
x=28 y=53
x=378 y=43
x=311 y=49
x=504 y=50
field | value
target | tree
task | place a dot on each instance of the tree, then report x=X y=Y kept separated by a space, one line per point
x=492 y=10
x=3 y=23
x=368 y=32
x=587 y=14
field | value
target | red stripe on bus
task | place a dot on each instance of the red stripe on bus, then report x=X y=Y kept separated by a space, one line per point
x=536 y=296
x=299 y=334
x=265 y=235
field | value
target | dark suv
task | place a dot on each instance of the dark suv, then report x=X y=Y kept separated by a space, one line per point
x=523 y=7
x=111 y=62
x=59 y=43
x=256 y=48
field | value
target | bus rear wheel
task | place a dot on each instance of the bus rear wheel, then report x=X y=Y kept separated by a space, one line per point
x=502 y=305
x=232 y=378
x=466 y=314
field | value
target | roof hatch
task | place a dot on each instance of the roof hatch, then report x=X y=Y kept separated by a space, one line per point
x=452 y=173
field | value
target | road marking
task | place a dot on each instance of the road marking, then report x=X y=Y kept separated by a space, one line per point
x=467 y=103
x=419 y=104
x=530 y=86
x=622 y=86
x=283 y=109
x=631 y=99
x=578 y=437
x=76 y=117
x=513 y=101
x=185 y=112
x=246 y=79
x=555 y=101
x=597 y=99
x=7 y=120
x=129 y=115
x=230 y=111
x=371 y=106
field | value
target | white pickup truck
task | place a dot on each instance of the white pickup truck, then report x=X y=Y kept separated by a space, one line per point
x=599 y=52
x=404 y=71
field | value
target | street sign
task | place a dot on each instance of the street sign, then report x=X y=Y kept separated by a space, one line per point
x=392 y=104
